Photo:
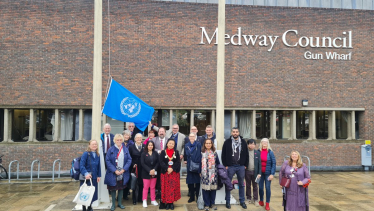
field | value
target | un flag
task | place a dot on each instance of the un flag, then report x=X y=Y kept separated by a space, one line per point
x=124 y=106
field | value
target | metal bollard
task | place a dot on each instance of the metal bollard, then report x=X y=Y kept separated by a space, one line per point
x=59 y=168
x=10 y=168
x=32 y=165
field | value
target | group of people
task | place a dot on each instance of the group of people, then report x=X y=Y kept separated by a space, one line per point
x=157 y=163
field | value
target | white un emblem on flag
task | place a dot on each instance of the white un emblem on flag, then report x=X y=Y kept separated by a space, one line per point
x=130 y=107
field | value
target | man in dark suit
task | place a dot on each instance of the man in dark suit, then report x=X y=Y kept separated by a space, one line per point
x=160 y=140
x=197 y=138
x=134 y=130
x=253 y=169
x=107 y=139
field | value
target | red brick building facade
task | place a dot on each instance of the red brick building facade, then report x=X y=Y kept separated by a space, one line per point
x=157 y=52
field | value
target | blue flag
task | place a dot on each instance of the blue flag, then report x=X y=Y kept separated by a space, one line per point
x=124 y=106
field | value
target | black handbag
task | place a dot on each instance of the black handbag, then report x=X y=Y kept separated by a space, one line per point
x=194 y=167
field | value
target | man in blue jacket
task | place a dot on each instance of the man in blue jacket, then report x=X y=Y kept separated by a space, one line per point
x=235 y=159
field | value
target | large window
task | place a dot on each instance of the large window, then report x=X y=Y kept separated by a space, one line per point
x=341 y=120
x=322 y=118
x=244 y=119
x=201 y=120
x=20 y=124
x=44 y=127
x=182 y=118
x=68 y=117
x=1 y=125
x=263 y=124
x=283 y=124
x=302 y=124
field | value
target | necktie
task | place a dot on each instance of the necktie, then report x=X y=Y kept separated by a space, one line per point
x=162 y=145
x=107 y=143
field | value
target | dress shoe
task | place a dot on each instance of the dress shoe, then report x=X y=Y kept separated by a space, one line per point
x=267 y=207
x=261 y=203
x=243 y=205
x=172 y=206
x=134 y=202
x=228 y=206
x=167 y=206
x=190 y=200
x=121 y=206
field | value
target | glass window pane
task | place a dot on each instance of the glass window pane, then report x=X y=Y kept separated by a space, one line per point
x=341 y=120
x=201 y=120
x=20 y=124
x=67 y=125
x=1 y=124
x=117 y=126
x=182 y=118
x=322 y=118
x=244 y=118
x=283 y=124
x=262 y=124
x=165 y=119
x=44 y=127
x=302 y=124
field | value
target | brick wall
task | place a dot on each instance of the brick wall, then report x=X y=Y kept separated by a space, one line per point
x=47 y=47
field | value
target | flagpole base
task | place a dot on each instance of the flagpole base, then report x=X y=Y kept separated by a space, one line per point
x=101 y=206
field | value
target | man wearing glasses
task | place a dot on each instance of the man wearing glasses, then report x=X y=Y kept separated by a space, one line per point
x=133 y=129
x=177 y=136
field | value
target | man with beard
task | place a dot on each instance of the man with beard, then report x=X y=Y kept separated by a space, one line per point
x=235 y=159
x=209 y=135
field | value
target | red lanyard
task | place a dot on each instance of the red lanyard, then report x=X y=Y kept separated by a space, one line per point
x=119 y=152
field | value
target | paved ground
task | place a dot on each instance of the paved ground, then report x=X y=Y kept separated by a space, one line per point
x=329 y=191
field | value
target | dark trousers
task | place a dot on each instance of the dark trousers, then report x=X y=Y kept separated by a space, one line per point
x=209 y=197
x=194 y=190
x=250 y=179
x=264 y=179
x=240 y=173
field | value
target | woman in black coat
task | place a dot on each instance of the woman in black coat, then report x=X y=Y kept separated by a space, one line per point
x=192 y=152
x=150 y=164
x=136 y=151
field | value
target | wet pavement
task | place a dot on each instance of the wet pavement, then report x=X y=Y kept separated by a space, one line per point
x=329 y=191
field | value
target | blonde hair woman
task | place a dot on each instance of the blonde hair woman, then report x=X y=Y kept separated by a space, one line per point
x=90 y=168
x=296 y=196
x=268 y=164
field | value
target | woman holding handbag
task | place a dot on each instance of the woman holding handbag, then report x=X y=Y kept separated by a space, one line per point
x=150 y=163
x=209 y=174
x=136 y=151
x=170 y=177
x=192 y=156
x=295 y=175
x=118 y=161
x=90 y=169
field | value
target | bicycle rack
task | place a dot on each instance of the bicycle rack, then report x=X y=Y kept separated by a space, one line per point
x=303 y=156
x=10 y=168
x=59 y=168
x=32 y=165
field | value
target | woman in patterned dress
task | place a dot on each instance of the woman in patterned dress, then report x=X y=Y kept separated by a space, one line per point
x=209 y=162
x=170 y=178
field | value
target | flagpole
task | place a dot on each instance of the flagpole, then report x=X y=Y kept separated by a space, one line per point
x=103 y=196
x=220 y=100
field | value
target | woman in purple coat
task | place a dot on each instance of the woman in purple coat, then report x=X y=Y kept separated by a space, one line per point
x=296 y=196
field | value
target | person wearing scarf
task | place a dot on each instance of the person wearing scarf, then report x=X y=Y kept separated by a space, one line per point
x=192 y=154
x=136 y=151
x=170 y=177
x=209 y=162
x=118 y=161
x=235 y=159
